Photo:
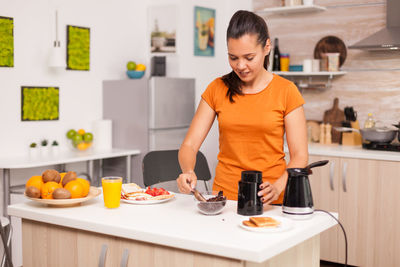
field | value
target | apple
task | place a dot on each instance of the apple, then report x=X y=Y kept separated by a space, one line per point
x=131 y=65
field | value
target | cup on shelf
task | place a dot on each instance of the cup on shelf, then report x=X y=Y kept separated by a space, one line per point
x=112 y=186
x=315 y=65
x=307 y=65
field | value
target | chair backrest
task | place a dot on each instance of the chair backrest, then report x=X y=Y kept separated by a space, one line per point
x=163 y=165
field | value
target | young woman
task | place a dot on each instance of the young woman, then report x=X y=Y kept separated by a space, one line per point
x=255 y=108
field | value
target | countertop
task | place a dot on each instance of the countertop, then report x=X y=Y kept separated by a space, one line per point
x=63 y=157
x=336 y=150
x=177 y=223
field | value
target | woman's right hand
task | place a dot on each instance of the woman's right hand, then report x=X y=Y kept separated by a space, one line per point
x=186 y=182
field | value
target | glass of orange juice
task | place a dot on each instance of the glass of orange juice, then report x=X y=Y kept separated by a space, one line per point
x=112 y=186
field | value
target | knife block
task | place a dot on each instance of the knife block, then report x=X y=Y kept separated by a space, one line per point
x=353 y=138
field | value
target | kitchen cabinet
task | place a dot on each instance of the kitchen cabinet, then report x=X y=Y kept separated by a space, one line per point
x=364 y=193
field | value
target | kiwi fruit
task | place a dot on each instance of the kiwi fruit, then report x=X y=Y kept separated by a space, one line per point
x=61 y=193
x=69 y=176
x=51 y=175
x=33 y=192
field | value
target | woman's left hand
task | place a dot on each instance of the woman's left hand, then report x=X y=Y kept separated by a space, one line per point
x=269 y=192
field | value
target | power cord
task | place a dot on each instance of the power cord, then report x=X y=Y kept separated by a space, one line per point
x=344 y=233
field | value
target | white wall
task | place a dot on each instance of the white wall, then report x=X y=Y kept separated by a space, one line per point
x=118 y=33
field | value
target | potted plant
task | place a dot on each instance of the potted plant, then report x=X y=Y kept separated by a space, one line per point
x=33 y=150
x=55 y=148
x=44 y=149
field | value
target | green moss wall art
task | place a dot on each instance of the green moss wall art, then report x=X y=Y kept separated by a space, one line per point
x=78 y=48
x=6 y=42
x=39 y=103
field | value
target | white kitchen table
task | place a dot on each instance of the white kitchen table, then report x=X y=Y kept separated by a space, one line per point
x=172 y=233
x=63 y=157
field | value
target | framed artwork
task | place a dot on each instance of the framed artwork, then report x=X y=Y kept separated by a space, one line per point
x=204 y=31
x=39 y=103
x=78 y=48
x=163 y=25
x=6 y=42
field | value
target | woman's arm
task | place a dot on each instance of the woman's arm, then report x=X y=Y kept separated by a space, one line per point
x=198 y=130
x=296 y=136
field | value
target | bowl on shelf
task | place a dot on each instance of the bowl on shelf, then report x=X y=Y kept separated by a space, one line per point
x=214 y=205
x=133 y=74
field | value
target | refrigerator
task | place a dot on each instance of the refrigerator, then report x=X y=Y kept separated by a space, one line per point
x=147 y=114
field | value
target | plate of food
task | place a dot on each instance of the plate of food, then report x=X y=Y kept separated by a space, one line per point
x=93 y=192
x=134 y=194
x=266 y=224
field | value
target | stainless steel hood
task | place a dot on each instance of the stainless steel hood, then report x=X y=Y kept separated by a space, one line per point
x=387 y=38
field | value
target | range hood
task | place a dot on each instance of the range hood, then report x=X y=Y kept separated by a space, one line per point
x=387 y=38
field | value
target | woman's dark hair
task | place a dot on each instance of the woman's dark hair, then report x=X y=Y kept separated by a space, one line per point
x=244 y=22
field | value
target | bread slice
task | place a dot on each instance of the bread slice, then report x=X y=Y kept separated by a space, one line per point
x=249 y=223
x=264 y=221
x=130 y=188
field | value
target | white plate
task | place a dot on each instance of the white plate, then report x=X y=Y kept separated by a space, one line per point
x=286 y=224
x=150 y=201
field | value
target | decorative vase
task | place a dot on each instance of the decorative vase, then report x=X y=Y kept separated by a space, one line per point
x=33 y=152
x=44 y=151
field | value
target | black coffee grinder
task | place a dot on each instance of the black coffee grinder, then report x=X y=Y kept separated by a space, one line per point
x=297 y=201
x=249 y=203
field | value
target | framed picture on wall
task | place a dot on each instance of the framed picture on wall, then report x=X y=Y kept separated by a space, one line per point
x=78 y=48
x=39 y=103
x=204 y=31
x=6 y=42
x=163 y=25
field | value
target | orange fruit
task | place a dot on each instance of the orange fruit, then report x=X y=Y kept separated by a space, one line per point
x=35 y=181
x=47 y=189
x=62 y=174
x=86 y=186
x=81 y=131
x=75 y=188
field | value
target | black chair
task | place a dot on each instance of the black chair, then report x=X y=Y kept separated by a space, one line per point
x=163 y=165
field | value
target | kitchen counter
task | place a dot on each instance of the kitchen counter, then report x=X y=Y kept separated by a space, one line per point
x=178 y=224
x=358 y=152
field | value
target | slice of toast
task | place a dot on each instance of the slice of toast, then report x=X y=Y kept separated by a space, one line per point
x=264 y=221
x=249 y=223
x=130 y=188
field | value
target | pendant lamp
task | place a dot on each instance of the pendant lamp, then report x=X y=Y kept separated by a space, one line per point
x=56 y=59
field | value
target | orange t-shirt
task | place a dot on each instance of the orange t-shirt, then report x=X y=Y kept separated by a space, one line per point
x=251 y=131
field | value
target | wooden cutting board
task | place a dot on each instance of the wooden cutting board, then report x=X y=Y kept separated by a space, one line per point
x=334 y=117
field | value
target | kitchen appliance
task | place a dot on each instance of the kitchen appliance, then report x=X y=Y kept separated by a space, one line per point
x=389 y=37
x=297 y=201
x=382 y=146
x=147 y=114
x=249 y=203
x=158 y=66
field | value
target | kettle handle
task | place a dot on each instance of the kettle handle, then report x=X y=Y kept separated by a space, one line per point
x=317 y=164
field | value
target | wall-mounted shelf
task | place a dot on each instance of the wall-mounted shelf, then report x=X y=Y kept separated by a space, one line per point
x=291 y=9
x=318 y=73
x=309 y=75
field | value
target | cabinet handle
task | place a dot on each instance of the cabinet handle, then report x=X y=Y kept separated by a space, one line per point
x=344 y=174
x=331 y=174
x=125 y=257
x=103 y=254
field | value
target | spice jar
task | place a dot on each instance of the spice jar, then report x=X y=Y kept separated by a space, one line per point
x=284 y=62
